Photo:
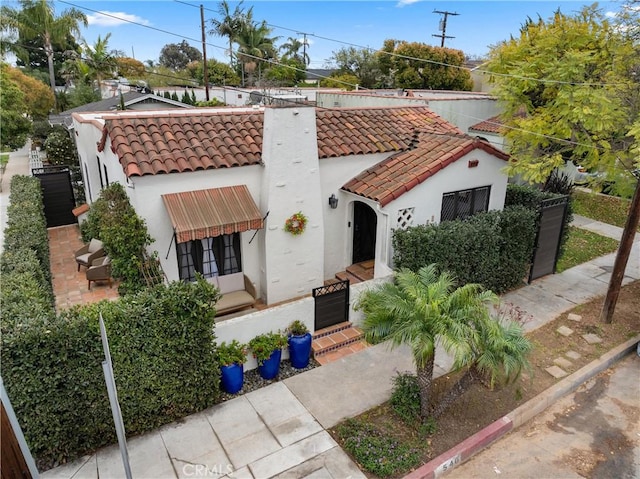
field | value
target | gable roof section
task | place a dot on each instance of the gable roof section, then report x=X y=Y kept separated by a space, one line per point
x=362 y=131
x=154 y=145
x=391 y=178
x=490 y=125
x=150 y=144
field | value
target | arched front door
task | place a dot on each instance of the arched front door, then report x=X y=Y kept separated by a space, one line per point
x=365 y=222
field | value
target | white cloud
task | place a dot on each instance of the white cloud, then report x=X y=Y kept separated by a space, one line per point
x=402 y=3
x=611 y=14
x=114 y=19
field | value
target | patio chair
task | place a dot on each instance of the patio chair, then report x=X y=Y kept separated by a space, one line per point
x=100 y=270
x=89 y=252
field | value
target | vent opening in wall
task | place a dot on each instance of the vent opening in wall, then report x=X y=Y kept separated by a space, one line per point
x=405 y=218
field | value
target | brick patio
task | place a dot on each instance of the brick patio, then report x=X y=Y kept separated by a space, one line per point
x=70 y=285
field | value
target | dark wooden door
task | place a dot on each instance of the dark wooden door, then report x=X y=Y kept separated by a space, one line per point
x=550 y=227
x=365 y=224
x=57 y=193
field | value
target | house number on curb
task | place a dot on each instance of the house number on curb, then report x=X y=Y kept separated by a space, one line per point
x=447 y=465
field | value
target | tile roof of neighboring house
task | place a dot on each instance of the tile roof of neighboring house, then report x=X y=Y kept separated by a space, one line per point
x=148 y=144
x=391 y=178
x=491 y=125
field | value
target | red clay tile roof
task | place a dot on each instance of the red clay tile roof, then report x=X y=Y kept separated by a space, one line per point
x=147 y=144
x=151 y=145
x=396 y=175
x=491 y=125
x=359 y=131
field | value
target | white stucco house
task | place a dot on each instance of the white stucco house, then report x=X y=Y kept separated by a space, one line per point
x=215 y=186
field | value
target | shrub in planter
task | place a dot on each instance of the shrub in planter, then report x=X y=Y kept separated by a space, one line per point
x=231 y=358
x=267 y=349
x=299 y=344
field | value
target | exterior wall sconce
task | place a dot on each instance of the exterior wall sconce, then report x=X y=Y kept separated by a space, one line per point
x=333 y=201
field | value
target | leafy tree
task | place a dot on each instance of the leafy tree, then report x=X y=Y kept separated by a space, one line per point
x=422 y=309
x=218 y=73
x=37 y=20
x=229 y=24
x=418 y=65
x=61 y=150
x=176 y=56
x=361 y=63
x=83 y=94
x=130 y=67
x=346 y=81
x=570 y=87
x=38 y=98
x=15 y=126
x=288 y=72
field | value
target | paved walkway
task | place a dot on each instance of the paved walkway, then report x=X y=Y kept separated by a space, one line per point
x=279 y=431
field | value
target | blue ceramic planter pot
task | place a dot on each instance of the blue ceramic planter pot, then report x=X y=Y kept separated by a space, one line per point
x=300 y=350
x=270 y=368
x=232 y=377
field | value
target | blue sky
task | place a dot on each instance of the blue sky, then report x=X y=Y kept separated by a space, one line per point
x=330 y=25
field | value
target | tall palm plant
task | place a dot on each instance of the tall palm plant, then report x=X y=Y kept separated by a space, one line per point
x=100 y=60
x=421 y=310
x=229 y=24
x=255 y=45
x=37 y=19
x=292 y=50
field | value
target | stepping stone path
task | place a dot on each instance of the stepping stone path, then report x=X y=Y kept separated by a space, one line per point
x=565 y=331
x=556 y=372
x=574 y=317
x=592 y=338
x=562 y=362
x=572 y=355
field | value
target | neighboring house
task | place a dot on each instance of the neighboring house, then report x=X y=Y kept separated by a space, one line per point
x=491 y=131
x=215 y=187
x=132 y=101
x=462 y=108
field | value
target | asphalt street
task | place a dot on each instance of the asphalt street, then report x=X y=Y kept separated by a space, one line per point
x=591 y=433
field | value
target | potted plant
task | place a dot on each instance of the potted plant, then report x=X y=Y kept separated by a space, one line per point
x=231 y=358
x=299 y=344
x=267 y=349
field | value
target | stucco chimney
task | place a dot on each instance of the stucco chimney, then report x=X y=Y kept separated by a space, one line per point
x=293 y=265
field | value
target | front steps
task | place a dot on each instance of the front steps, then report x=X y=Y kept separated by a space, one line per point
x=337 y=341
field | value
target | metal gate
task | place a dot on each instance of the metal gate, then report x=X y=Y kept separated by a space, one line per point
x=552 y=213
x=331 y=304
x=57 y=194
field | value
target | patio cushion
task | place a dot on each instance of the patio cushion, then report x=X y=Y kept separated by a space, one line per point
x=231 y=282
x=232 y=301
x=94 y=245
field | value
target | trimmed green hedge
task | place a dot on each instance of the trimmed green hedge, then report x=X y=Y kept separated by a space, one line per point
x=26 y=223
x=162 y=346
x=493 y=249
x=26 y=295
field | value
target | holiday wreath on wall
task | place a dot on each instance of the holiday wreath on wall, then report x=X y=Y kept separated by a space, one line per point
x=296 y=223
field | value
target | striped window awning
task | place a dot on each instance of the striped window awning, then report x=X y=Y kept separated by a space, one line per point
x=200 y=214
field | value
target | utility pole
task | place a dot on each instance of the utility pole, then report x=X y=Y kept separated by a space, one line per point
x=204 y=54
x=622 y=257
x=304 y=49
x=443 y=25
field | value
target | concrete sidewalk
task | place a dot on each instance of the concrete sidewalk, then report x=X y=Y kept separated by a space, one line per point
x=279 y=431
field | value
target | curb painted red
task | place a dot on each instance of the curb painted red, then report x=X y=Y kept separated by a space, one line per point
x=467 y=448
x=462 y=451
